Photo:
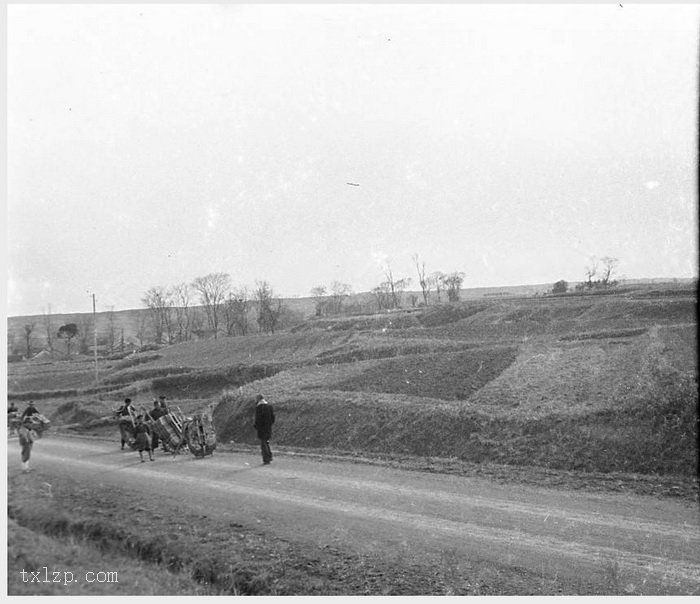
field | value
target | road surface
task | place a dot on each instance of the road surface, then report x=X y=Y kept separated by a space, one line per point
x=647 y=545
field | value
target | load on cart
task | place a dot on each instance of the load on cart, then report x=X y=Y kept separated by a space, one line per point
x=178 y=432
x=200 y=435
x=175 y=431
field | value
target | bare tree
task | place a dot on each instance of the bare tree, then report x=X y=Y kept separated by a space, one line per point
x=212 y=290
x=142 y=328
x=438 y=280
x=423 y=279
x=49 y=329
x=160 y=305
x=591 y=271
x=382 y=295
x=453 y=283
x=319 y=294
x=85 y=330
x=339 y=292
x=28 y=329
x=396 y=286
x=181 y=295
x=609 y=266
x=235 y=312
x=111 y=330
x=269 y=308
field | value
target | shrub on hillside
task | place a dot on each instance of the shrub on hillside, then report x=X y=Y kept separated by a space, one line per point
x=560 y=287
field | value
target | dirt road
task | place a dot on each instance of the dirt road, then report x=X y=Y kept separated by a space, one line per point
x=643 y=545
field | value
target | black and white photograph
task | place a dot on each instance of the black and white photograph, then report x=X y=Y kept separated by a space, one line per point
x=352 y=299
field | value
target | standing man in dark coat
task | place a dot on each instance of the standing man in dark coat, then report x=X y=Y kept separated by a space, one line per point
x=264 y=418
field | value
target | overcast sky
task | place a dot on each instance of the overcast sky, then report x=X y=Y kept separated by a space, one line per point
x=152 y=144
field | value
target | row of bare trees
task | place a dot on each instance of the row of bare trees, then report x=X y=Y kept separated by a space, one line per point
x=605 y=276
x=175 y=317
x=390 y=293
x=447 y=283
x=329 y=301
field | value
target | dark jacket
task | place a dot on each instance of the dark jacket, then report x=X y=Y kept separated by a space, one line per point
x=30 y=410
x=157 y=412
x=124 y=409
x=264 y=418
x=142 y=436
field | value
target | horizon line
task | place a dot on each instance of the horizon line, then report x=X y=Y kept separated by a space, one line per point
x=463 y=289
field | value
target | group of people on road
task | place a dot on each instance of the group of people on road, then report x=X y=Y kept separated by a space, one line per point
x=145 y=439
x=131 y=422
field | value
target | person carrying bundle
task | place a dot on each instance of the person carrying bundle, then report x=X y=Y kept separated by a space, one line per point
x=30 y=411
x=126 y=422
x=26 y=442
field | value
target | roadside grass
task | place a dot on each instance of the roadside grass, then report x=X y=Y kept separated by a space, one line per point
x=74 y=557
x=160 y=547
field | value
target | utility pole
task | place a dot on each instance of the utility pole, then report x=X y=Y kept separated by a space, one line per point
x=94 y=326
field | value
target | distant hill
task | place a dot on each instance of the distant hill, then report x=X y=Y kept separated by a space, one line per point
x=129 y=324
